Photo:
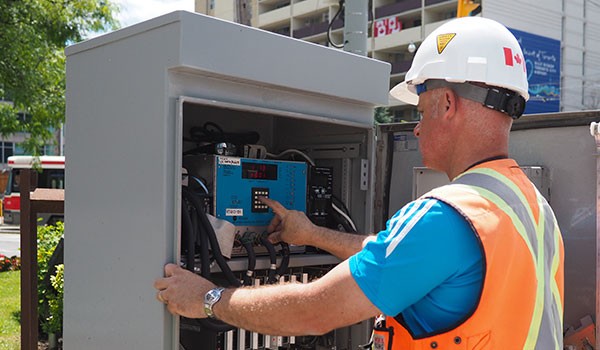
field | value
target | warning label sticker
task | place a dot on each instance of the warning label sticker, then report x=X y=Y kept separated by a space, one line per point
x=378 y=342
x=443 y=40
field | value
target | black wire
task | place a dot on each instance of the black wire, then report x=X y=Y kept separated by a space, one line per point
x=272 y=257
x=285 y=259
x=208 y=323
x=188 y=231
x=251 y=261
x=342 y=221
x=204 y=251
x=339 y=11
x=212 y=133
x=212 y=238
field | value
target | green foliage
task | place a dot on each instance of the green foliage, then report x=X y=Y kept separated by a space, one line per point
x=33 y=35
x=55 y=304
x=383 y=115
x=50 y=294
x=10 y=310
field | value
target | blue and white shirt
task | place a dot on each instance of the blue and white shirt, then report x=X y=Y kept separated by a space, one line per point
x=427 y=264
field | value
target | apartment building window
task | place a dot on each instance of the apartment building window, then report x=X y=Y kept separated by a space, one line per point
x=283 y=31
x=282 y=4
x=7 y=149
x=49 y=150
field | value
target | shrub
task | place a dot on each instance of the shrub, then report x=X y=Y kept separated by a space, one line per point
x=50 y=284
x=55 y=304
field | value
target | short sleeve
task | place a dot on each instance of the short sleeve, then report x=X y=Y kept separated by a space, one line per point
x=425 y=245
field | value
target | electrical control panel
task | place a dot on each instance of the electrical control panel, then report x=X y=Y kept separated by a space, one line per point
x=320 y=190
x=235 y=184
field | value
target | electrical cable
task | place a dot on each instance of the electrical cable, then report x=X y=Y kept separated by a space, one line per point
x=272 y=257
x=211 y=133
x=340 y=204
x=204 y=248
x=190 y=241
x=289 y=151
x=208 y=231
x=347 y=223
x=346 y=217
x=285 y=260
x=339 y=11
x=212 y=238
x=200 y=183
x=247 y=244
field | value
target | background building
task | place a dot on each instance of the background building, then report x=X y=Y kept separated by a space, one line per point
x=11 y=146
x=560 y=38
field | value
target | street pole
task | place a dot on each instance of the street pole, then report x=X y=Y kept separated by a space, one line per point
x=355 y=26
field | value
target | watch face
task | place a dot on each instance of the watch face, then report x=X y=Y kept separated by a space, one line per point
x=210 y=298
x=212 y=295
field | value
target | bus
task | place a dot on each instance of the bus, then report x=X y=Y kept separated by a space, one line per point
x=51 y=175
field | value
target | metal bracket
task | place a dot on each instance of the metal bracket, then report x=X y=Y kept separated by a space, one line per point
x=364 y=174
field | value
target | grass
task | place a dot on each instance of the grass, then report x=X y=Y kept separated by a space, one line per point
x=10 y=310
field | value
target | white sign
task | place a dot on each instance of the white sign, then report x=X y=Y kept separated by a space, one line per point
x=234 y=212
x=229 y=161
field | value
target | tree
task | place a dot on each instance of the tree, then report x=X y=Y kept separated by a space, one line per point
x=33 y=35
x=383 y=115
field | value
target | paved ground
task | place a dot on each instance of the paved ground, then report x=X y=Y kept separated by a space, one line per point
x=10 y=240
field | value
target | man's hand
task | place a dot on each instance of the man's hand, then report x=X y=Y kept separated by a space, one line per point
x=290 y=226
x=182 y=291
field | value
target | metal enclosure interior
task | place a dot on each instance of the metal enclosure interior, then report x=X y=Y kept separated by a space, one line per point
x=558 y=155
x=425 y=179
x=133 y=95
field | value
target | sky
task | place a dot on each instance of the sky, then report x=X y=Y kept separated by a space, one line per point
x=134 y=11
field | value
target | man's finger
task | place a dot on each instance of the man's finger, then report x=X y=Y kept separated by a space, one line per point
x=275 y=237
x=161 y=283
x=170 y=269
x=275 y=205
x=160 y=297
x=274 y=224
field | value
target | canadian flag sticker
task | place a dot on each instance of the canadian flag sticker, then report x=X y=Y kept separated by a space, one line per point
x=508 y=56
x=510 y=59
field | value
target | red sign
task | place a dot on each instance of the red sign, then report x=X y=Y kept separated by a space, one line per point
x=387 y=26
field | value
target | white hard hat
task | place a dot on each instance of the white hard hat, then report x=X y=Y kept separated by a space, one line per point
x=467 y=49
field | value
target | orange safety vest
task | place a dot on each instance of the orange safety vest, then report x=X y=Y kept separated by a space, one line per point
x=521 y=303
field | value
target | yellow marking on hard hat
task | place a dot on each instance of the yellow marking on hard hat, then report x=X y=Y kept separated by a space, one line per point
x=443 y=40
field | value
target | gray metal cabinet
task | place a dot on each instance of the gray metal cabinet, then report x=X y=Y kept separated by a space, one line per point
x=132 y=97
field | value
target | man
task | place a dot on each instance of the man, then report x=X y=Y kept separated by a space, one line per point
x=477 y=264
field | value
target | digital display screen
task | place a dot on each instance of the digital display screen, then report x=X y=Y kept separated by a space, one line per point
x=320 y=180
x=259 y=171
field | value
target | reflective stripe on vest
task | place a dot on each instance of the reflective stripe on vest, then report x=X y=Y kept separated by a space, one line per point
x=500 y=192
x=546 y=323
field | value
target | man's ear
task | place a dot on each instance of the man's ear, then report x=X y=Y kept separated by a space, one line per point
x=449 y=103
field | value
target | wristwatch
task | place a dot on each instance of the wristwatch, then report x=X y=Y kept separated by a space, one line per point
x=210 y=299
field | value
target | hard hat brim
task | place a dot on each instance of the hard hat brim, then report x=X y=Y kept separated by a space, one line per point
x=403 y=93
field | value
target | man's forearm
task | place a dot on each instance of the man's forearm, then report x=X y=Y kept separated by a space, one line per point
x=274 y=310
x=297 y=309
x=341 y=244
